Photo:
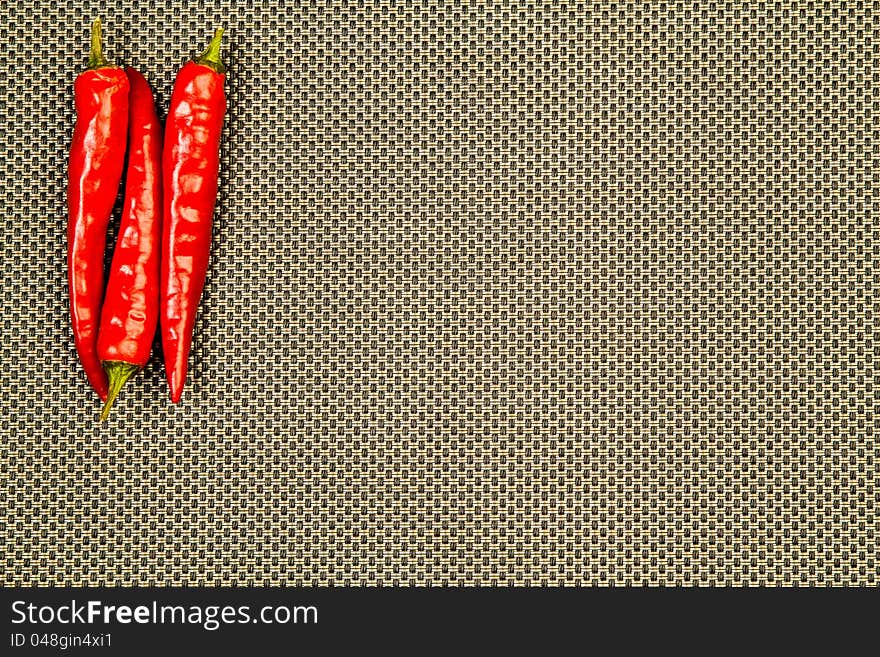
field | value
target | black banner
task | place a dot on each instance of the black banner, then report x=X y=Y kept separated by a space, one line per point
x=126 y=621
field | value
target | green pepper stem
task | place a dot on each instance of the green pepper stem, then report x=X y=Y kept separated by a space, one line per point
x=211 y=56
x=118 y=372
x=96 y=54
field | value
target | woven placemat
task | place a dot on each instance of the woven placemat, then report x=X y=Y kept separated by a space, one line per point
x=559 y=294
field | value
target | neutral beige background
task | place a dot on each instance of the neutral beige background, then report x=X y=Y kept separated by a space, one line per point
x=578 y=294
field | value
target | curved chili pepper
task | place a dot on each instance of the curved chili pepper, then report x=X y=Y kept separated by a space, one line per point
x=131 y=304
x=97 y=153
x=191 y=161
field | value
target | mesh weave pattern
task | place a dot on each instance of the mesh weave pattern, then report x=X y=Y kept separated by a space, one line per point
x=559 y=294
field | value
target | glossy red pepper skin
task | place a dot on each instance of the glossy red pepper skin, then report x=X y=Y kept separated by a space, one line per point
x=97 y=154
x=191 y=162
x=131 y=304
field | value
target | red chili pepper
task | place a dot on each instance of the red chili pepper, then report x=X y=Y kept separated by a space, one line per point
x=131 y=304
x=97 y=154
x=191 y=161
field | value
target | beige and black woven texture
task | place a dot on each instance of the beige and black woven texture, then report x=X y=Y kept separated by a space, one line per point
x=513 y=293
